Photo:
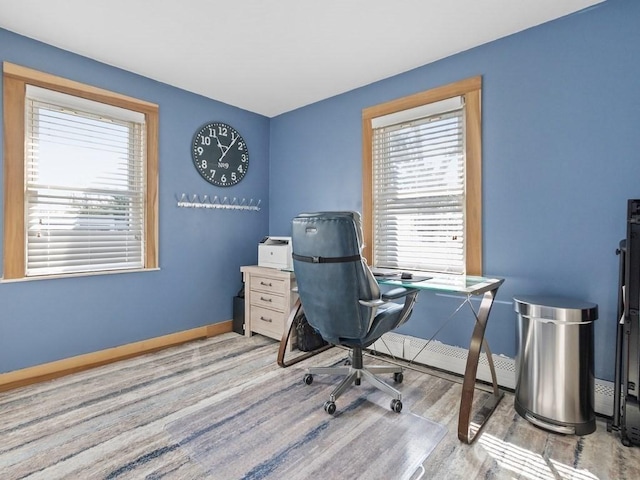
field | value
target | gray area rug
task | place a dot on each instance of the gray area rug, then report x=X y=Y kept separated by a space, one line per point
x=246 y=436
x=111 y=423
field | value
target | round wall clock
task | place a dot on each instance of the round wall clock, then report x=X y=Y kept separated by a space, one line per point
x=220 y=154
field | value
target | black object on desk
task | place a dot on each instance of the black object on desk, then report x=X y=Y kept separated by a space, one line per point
x=414 y=279
x=404 y=277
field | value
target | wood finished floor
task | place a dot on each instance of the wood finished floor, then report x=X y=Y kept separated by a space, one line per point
x=111 y=422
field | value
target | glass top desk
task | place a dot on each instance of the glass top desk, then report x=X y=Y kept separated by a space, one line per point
x=469 y=286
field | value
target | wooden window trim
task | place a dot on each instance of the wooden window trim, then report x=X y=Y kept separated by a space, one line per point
x=471 y=90
x=15 y=81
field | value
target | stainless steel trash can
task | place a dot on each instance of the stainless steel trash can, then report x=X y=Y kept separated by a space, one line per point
x=554 y=363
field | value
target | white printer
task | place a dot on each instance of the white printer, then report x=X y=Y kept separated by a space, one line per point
x=275 y=252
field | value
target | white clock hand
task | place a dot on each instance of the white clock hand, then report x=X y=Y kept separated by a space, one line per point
x=233 y=140
x=220 y=145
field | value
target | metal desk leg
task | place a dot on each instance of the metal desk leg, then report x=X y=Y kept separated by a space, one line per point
x=285 y=339
x=468 y=385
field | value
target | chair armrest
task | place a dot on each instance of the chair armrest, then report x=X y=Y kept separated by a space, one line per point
x=396 y=293
x=409 y=295
x=372 y=303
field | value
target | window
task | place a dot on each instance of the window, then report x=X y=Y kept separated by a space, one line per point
x=422 y=181
x=80 y=178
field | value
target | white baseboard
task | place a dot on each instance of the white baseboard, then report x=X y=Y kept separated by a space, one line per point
x=453 y=359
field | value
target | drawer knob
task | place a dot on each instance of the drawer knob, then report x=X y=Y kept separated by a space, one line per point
x=266 y=319
x=266 y=284
x=266 y=299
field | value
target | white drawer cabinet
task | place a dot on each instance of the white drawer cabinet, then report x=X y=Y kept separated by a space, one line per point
x=268 y=301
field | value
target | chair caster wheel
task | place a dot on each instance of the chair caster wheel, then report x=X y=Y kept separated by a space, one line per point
x=308 y=379
x=330 y=407
x=396 y=405
x=398 y=377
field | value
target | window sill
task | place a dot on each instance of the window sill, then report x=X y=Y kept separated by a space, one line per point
x=76 y=275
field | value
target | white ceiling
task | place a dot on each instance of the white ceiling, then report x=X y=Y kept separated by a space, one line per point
x=272 y=56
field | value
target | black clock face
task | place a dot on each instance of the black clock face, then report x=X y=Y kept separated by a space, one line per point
x=220 y=154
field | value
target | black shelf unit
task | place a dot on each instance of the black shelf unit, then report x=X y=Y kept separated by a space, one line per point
x=626 y=407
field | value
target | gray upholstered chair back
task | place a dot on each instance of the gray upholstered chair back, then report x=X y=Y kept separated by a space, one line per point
x=330 y=292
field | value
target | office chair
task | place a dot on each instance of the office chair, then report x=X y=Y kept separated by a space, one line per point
x=341 y=298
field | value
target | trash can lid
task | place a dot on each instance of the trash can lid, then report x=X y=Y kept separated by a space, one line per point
x=561 y=309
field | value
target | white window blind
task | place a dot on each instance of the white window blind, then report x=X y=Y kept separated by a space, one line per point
x=419 y=189
x=85 y=185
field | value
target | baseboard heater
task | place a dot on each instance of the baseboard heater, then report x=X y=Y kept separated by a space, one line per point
x=453 y=359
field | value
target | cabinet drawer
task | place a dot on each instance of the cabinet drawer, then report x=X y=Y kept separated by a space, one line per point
x=268 y=300
x=266 y=284
x=267 y=322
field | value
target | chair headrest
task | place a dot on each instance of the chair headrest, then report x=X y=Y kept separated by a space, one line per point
x=353 y=215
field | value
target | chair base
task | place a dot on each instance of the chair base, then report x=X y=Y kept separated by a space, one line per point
x=354 y=374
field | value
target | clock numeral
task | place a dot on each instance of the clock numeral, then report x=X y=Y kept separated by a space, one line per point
x=223 y=178
x=240 y=169
x=241 y=146
x=206 y=140
x=212 y=172
x=222 y=130
x=204 y=164
x=234 y=177
x=200 y=150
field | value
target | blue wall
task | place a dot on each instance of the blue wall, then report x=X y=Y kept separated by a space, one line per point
x=561 y=143
x=201 y=251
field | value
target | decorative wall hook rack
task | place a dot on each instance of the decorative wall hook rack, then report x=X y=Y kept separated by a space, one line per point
x=225 y=203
